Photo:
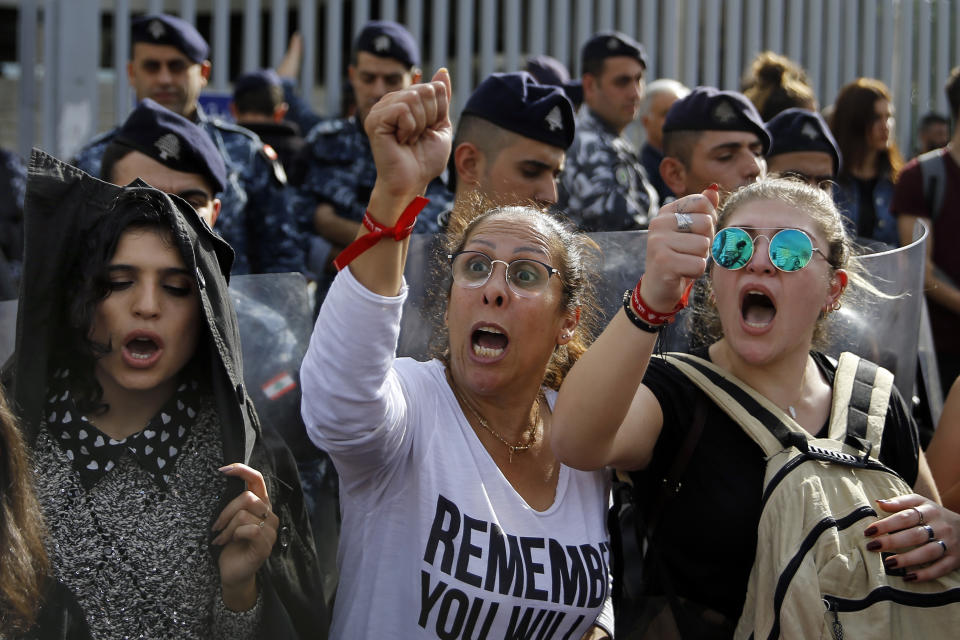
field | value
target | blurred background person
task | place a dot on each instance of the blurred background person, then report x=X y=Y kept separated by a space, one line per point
x=862 y=123
x=933 y=132
x=775 y=83
x=661 y=94
x=550 y=71
x=803 y=148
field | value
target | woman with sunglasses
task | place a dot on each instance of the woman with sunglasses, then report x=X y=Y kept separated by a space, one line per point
x=780 y=264
x=458 y=520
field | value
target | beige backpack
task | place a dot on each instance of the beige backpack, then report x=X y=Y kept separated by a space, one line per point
x=812 y=575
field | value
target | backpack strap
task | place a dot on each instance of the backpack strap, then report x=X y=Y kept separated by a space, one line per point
x=861 y=396
x=934 y=174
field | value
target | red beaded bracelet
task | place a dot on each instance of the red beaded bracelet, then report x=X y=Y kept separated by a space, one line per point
x=399 y=231
x=650 y=316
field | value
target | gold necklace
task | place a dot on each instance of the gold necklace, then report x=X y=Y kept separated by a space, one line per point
x=531 y=434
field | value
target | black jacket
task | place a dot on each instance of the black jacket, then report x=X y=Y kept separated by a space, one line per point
x=62 y=203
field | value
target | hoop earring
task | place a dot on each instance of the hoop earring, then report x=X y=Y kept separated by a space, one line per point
x=836 y=306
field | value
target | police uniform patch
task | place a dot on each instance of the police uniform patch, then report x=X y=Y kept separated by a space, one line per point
x=169 y=146
x=274 y=159
x=623 y=176
x=723 y=113
x=809 y=131
x=156 y=29
x=554 y=119
x=613 y=43
x=382 y=43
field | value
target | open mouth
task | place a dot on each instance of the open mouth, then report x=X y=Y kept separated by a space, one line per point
x=142 y=348
x=757 y=309
x=488 y=342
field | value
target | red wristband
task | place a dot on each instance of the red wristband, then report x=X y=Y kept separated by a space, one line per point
x=399 y=231
x=654 y=317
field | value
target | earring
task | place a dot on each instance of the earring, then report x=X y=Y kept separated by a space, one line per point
x=836 y=306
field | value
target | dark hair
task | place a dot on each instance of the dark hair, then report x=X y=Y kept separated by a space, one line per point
x=776 y=83
x=88 y=284
x=853 y=115
x=262 y=99
x=952 y=88
x=593 y=66
x=932 y=117
x=24 y=564
x=572 y=253
x=680 y=144
x=490 y=140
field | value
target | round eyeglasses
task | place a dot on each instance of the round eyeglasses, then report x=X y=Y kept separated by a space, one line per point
x=789 y=249
x=525 y=277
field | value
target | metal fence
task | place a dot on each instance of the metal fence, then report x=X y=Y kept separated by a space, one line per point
x=909 y=44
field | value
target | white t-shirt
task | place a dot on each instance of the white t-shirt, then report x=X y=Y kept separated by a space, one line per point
x=435 y=542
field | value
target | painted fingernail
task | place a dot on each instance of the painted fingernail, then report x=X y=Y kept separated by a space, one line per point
x=870 y=531
x=225 y=468
x=910 y=577
x=889 y=563
x=873 y=545
x=714 y=186
x=883 y=501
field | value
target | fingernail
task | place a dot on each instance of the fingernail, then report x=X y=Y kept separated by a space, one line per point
x=714 y=186
x=873 y=545
x=910 y=577
x=889 y=563
x=883 y=501
x=870 y=531
x=225 y=468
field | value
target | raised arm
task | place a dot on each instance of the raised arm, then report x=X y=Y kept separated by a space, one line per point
x=604 y=415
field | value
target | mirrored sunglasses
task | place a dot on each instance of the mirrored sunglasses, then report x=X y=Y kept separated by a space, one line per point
x=789 y=249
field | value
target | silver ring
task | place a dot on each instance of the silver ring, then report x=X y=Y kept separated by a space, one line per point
x=943 y=545
x=262 y=522
x=919 y=515
x=929 y=530
x=684 y=221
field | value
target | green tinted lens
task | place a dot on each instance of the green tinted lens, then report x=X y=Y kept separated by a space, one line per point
x=790 y=250
x=528 y=275
x=732 y=248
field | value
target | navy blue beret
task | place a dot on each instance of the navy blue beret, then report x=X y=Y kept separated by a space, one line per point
x=548 y=70
x=709 y=109
x=517 y=103
x=160 y=28
x=802 y=130
x=256 y=81
x=172 y=140
x=388 y=40
x=608 y=44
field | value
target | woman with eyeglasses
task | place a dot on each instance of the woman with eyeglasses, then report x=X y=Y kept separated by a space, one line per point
x=778 y=266
x=458 y=520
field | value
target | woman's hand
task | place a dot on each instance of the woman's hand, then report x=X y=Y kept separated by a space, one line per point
x=248 y=529
x=917 y=522
x=676 y=257
x=410 y=136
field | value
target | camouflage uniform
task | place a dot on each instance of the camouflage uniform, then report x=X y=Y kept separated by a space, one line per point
x=340 y=171
x=255 y=215
x=604 y=186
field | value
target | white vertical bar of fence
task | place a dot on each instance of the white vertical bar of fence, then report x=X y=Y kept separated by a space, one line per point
x=814 y=47
x=188 y=11
x=887 y=22
x=605 y=18
x=732 y=39
x=121 y=53
x=361 y=16
x=488 y=36
x=155 y=6
x=832 y=54
x=943 y=56
x=560 y=33
x=774 y=31
x=753 y=37
x=903 y=71
x=923 y=68
x=795 y=27
x=712 y=53
x=388 y=10
x=511 y=37
x=464 y=78
x=537 y=28
x=649 y=34
x=584 y=29
x=626 y=20
x=439 y=26
x=50 y=11
x=868 y=44
x=251 y=35
x=851 y=27
x=221 y=44
x=670 y=49
x=691 y=43
x=27 y=37
x=308 y=64
x=278 y=31
x=333 y=57
x=78 y=95
x=415 y=20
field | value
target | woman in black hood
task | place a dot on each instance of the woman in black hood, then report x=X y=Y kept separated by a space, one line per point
x=170 y=513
